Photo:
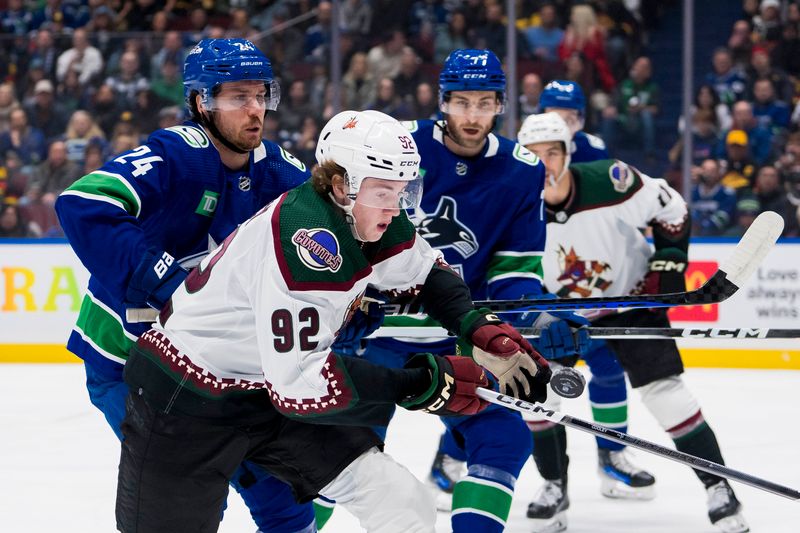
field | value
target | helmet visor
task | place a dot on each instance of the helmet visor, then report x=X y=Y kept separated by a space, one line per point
x=387 y=194
x=237 y=100
x=482 y=108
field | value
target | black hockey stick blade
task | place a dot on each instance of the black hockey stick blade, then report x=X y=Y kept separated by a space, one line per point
x=629 y=440
x=729 y=278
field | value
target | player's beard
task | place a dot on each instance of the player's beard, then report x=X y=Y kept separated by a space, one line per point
x=474 y=141
x=238 y=135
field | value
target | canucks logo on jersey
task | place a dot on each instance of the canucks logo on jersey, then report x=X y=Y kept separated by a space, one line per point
x=442 y=229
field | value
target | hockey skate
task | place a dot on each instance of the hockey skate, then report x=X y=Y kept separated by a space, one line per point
x=445 y=473
x=621 y=479
x=548 y=508
x=724 y=510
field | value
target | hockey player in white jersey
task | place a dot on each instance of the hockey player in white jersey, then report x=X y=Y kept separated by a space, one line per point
x=239 y=366
x=595 y=247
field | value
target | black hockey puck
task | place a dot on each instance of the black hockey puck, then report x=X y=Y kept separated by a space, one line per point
x=568 y=382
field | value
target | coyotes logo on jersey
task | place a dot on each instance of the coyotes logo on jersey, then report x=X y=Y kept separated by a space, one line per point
x=579 y=276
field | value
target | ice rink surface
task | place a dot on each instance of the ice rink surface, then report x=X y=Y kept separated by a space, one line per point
x=58 y=459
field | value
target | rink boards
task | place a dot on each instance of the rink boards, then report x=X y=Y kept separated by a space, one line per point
x=42 y=284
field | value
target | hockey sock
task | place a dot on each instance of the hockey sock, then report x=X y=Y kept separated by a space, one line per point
x=608 y=393
x=699 y=441
x=323 y=510
x=482 y=500
x=550 y=451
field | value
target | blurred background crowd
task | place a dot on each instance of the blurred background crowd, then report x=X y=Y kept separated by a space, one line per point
x=83 y=80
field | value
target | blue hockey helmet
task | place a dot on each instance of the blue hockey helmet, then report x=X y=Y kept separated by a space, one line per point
x=215 y=61
x=562 y=93
x=472 y=70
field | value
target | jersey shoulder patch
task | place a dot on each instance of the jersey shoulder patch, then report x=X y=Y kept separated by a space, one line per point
x=191 y=135
x=605 y=182
x=520 y=153
x=595 y=141
x=621 y=176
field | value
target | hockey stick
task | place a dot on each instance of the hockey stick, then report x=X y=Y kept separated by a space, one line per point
x=623 y=438
x=731 y=275
x=614 y=333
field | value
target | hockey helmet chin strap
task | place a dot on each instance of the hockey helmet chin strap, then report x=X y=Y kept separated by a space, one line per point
x=348 y=216
x=552 y=180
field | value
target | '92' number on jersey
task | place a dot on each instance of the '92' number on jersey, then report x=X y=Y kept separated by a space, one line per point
x=283 y=329
x=140 y=163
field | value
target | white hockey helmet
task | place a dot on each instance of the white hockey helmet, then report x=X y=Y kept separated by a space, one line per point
x=371 y=144
x=547 y=127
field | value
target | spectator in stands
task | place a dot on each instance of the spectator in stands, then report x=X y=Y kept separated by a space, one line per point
x=138 y=15
x=171 y=50
x=198 y=25
x=759 y=139
x=358 y=84
x=82 y=58
x=295 y=107
x=170 y=116
x=771 y=113
x=15 y=19
x=706 y=99
x=740 y=43
x=8 y=103
x=739 y=169
x=70 y=95
x=45 y=112
x=767 y=24
x=747 y=209
x=318 y=36
x=285 y=45
x=81 y=129
x=623 y=35
x=761 y=67
x=12 y=224
x=55 y=14
x=636 y=104
x=387 y=101
x=772 y=196
x=585 y=35
x=168 y=87
x=26 y=141
x=451 y=37
x=128 y=82
x=712 y=204
x=94 y=157
x=425 y=105
x=543 y=39
x=492 y=34
x=105 y=109
x=143 y=115
x=355 y=17
x=305 y=145
x=102 y=27
x=410 y=76
x=44 y=51
x=531 y=90
x=790 y=158
x=55 y=173
x=728 y=82
x=786 y=54
x=704 y=139
x=384 y=59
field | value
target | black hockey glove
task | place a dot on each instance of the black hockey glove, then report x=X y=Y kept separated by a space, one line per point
x=454 y=382
x=666 y=272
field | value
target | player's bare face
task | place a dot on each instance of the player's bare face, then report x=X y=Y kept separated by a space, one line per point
x=239 y=113
x=553 y=156
x=376 y=205
x=470 y=117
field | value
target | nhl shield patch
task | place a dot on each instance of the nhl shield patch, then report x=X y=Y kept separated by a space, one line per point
x=318 y=249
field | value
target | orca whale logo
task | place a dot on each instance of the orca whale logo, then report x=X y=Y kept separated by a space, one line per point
x=442 y=229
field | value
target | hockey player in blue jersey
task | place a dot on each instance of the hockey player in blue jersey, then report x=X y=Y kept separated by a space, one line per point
x=141 y=219
x=567 y=99
x=482 y=207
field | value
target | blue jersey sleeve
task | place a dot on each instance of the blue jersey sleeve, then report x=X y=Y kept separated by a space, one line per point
x=101 y=212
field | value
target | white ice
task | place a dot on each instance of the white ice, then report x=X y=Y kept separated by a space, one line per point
x=58 y=459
